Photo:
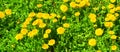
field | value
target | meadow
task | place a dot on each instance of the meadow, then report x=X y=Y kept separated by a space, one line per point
x=59 y=25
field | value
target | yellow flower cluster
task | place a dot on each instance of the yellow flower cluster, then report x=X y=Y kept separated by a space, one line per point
x=51 y=42
x=20 y=35
x=79 y=3
x=92 y=17
x=32 y=33
x=7 y=12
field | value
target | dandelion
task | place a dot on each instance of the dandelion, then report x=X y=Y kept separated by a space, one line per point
x=45 y=46
x=114 y=37
x=111 y=32
x=45 y=35
x=91 y=15
x=48 y=31
x=108 y=24
x=98 y=32
x=77 y=13
x=35 y=22
x=60 y=30
x=58 y=16
x=32 y=14
x=8 y=12
x=78 y=1
x=82 y=4
x=117 y=8
x=53 y=15
x=66 y=25
x=31 y=34
x=113 y=47
x=55 y=20
x=64 y=18
x=39 y=5
x=98 y=51
x=73 y=4
x=65 y=1
x=24 y=31
x=2 y=15
x=45 y=16
x=19 y=36
x=39 y=15
x=116 y=14
x=103 y=7
x=92 y=42
x=110 y=6
x=63 y=8
x=51 y=42
x=42 y=25
x=112 y=1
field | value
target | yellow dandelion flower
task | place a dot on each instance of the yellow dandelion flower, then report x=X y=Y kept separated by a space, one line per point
x=98 y=51
x=63 y=8
x=55 y=20
x=35 y=31
x=113 y=37
x=112 y=10
x=66 y=25
x=39 y=5
x=51 y=42
x=24 y=31
x=99 y=32
x=107 y=19
x=45 y=16
x=19 y=36
x=112 y=1
x=73 y=4
x=35 y=22
x=108 y=24
x=110 y=6
x=118 y=8
x=95 y=25
x=45 y=35
x=103 y=7
x=93 y=20
x=113 y=47
x=39 y=15
x=58 y=16
x=42 y=25
x=8 y=11
x=77 y=13
x=64 y=18
x=96 y=8
x=82 y=4
x=2 y=15
x=28 y=20
x=111 y=32
x=116 y=14
x=45 y=46
x=31 y=34
x=31 y=14
x=78 y=1
x=60 y=30
x=92 y=42
x=48 y=31
x=65 y=1
x=91 y=15
x=53 y=15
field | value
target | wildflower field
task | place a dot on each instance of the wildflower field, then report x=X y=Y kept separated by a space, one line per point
x=59 y=25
